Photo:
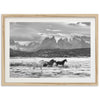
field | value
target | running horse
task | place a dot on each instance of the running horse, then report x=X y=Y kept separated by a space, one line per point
x=49 y=63
x=43 y=63
x=61 y=62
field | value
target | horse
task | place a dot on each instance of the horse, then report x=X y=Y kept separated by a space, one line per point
x=51 y=62
x=34 y=65
x=61 y=62
x=39 y=64
x=43 y=63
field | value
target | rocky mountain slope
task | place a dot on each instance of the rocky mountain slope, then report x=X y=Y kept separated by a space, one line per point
x=50 y=43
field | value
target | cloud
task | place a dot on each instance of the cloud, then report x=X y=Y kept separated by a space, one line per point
x=37 y=31
x=84 y=23
x=48 y=29
x=52 y=30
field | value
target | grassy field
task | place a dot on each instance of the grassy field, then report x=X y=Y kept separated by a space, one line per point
x=28 y=68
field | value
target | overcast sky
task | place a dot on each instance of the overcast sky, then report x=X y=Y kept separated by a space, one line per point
x=37 y=31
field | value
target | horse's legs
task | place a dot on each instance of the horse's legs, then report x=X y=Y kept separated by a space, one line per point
x=63 y=65
x=41 y=68
x=33 y=67
x=56 y=65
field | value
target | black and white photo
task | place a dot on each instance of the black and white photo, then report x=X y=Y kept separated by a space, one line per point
x=50 y=50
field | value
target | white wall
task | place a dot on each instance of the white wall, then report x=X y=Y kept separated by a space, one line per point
x=49 y=92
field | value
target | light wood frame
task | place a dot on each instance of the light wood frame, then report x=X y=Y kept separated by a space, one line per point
x=49 y=15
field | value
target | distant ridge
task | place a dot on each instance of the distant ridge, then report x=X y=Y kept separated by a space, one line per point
x=50 y=43
x=83 y=52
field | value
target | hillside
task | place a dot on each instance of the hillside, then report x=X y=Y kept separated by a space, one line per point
x=51 y=43
x=52 y=53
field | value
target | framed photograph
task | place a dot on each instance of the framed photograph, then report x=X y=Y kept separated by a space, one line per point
x=52 y=49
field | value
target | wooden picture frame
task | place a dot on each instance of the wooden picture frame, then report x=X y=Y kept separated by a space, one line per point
x=10 y=18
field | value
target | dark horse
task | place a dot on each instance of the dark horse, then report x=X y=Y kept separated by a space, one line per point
x=61 y=62
x=50 y=63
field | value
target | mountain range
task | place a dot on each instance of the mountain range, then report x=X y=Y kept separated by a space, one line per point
x=50 y=43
